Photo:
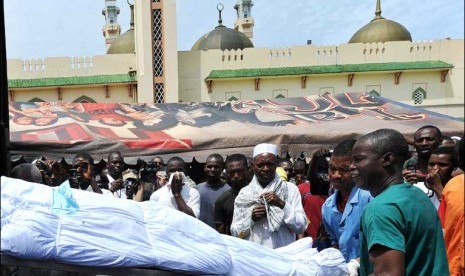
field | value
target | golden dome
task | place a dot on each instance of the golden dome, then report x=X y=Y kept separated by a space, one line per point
x=223 y=38
x=381 y=30
x=125 y=44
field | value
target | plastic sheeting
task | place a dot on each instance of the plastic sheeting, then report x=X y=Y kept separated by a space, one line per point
x=110 y=232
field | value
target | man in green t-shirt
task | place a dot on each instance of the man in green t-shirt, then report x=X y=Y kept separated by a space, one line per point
x=400 y=229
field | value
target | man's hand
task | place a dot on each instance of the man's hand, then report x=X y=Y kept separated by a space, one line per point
x=273 y=199
x=50 y=163
x=88 y=174
x=176 y=184
x=139 y=196
x=161 y=181
x=176 y=187
x=433 y=182
x=258 y=212
x=433 y=179
x=320 y=152
x=116 y=185
x=410 y=176
x=353 y=267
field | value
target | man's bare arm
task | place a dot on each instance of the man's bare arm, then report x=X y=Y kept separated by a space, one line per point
x=182 y=205
x=221 y=228
x=386 y=261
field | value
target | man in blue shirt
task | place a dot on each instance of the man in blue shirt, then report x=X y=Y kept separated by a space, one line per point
x=211 y=189
x=341 y=211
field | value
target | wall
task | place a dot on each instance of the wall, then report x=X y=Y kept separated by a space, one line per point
x=53 y=67
x=450 y=92
x=194 y=66
x=116 y=93
x=171 y=53
x=143 y=40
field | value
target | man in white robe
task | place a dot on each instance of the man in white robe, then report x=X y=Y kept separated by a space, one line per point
x=176 y=193
x=269 y=210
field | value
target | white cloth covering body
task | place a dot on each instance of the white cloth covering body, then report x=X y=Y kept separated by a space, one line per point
x=108 y=232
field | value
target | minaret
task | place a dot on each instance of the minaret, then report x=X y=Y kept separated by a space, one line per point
x=244 y=22
x=112 y=29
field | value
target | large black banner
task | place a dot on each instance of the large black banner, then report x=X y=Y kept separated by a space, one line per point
x=296 y=125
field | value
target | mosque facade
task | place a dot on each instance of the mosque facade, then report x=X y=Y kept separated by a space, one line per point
x=143 y=65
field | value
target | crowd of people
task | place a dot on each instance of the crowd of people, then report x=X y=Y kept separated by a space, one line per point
x=387 y=209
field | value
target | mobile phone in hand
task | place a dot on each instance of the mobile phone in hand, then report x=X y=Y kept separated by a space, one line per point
x=412 y=168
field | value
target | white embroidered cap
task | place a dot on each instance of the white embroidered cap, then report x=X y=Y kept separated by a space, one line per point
x=265 y=148
x=129 y=174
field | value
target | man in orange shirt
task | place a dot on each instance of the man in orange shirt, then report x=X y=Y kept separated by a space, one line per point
x=451 y=213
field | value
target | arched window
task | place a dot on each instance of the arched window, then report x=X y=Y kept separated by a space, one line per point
x=374 y=93
x=418 y=95
x=36 y=100
x=84 y=99
x=232 y=96
x=280 y=93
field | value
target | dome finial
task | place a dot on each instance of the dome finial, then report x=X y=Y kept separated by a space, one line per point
x=220 y=8
x=378 y=10
x=131 y=6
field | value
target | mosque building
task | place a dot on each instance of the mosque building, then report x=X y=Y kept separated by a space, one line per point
x=142 y=65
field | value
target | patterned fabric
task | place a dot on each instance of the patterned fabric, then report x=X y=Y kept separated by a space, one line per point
x=150 y=129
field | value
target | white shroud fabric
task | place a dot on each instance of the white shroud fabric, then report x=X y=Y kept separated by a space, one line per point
x=95 y=230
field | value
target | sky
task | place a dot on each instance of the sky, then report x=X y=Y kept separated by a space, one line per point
x=57 y=28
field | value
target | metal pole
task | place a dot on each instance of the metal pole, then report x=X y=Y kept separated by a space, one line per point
x=4 y=114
